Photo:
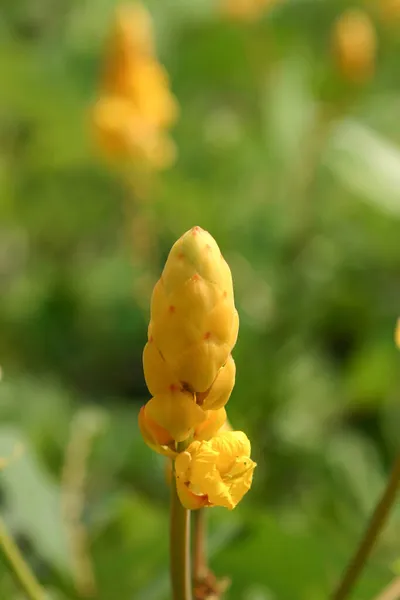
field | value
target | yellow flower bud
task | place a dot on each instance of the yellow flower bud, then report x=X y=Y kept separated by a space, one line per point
x=218 y=394
x=155 y=436
x=159 y=376
x=194 y=325
x=215 y=473
x=160 y=440
x=354 y=45
x=226 y=427
x=177 y=412
x=194 y=322
x=214 y=421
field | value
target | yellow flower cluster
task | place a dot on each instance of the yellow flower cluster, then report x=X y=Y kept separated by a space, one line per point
x=135 y=107
x=354 y=43
x=190 y=373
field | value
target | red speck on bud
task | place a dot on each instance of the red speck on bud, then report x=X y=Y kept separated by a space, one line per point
x=207 y=335
x=171 y=309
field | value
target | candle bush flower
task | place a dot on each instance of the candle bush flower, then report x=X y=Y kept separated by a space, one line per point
x=135 y=107
x=190 y=373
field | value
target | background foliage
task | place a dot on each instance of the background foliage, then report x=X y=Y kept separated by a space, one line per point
x=305 y=205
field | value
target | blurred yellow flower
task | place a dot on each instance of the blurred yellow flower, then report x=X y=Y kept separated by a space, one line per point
x=354 y=44
x=218 y=472
x=397 y=334
x=135 y=107
x=245 y=10
x=389 y=10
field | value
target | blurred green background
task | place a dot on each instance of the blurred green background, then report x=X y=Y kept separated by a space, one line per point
x=296 y=173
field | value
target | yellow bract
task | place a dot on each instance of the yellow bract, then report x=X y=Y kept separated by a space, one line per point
x=163 y=442
x=177 y=412
x=218 y=394
x=135 y=106
x=215 y=473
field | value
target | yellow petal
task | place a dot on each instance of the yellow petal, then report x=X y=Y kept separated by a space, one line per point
x=213 y=423
x=220 y=469
x=177 y=412
x=230 y=445
x=188 y=499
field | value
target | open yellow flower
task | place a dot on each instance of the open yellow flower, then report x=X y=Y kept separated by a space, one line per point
x=217 y=472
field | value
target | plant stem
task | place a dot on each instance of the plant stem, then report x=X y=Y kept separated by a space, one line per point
x=200 y=568
x=372 y=532
x=18 y=567
x=181 y=580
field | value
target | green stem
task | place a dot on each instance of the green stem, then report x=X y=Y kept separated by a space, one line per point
x=372 y=532
x=18 y=567
x=200 y=568
x=180 y=548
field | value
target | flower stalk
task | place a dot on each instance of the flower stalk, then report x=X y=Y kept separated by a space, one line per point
x=200 y=568
x=374 y=528
x=181 y=579
x=19 y=568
